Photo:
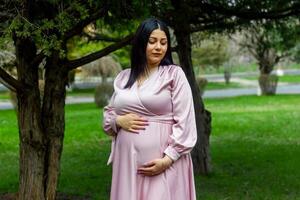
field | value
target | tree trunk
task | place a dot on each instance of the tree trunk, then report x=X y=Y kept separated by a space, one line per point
x=268 y=84
x=32 y=138
x=41 y=132
x=54 y=121
x=200 y=153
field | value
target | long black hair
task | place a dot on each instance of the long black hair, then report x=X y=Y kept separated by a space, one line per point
x=139 y=45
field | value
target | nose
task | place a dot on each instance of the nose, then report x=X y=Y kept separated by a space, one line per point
x=157 y=45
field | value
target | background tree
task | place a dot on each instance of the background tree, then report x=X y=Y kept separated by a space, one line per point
x=296 y=53
x=270 y=42
x=212 y=52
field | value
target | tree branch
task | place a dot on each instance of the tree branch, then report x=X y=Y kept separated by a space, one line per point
x=77 y=29
x=9 y=81
x=252 y=14
x=101 y=37
x=38 y=59
x=72 y=64
x=220 y=26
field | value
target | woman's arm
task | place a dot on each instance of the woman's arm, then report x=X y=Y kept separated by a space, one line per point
x=184 y=132
x=110 y=125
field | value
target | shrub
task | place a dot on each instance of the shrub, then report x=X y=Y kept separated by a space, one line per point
x=103 y=93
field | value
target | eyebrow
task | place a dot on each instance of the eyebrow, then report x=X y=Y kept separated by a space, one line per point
x=156 y=38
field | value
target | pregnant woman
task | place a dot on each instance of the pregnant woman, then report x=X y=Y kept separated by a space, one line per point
x=151 y=118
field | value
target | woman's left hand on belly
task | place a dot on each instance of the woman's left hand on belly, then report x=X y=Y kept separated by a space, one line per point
x=156 y=166
x=131 y=122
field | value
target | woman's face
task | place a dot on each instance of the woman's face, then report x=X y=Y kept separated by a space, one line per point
x=156 y=47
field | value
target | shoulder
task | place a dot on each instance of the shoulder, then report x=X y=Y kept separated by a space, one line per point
x=175 y=75
x=122 y=74
x=122 y=78
x=173 y=71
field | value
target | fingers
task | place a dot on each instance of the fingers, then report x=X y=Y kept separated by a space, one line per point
x=149 y=164
x=137 y=127
x=147 y=171
x=142 y=123
x=136 y=117
x=139 y=119
x=151 y=169
x=148 y=167
x=134 y=123
x=133 y=131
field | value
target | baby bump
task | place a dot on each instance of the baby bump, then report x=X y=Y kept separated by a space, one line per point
x=147 y=145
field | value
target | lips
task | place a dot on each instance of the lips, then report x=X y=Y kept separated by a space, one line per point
x=156 y=54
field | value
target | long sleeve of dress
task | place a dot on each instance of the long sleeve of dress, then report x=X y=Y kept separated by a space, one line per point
x=184 y=132
x=109 y=115
x=109 y=118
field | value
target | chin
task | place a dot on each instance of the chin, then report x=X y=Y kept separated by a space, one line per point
x=156 y=60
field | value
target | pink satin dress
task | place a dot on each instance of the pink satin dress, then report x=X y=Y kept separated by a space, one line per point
x=166 y=101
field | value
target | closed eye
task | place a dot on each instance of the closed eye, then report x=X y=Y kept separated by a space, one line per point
x=162 y=42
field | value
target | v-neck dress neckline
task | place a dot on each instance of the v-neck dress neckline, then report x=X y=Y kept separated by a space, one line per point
x=147 y=80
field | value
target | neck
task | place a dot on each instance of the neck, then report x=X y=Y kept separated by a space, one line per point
x=151 y=67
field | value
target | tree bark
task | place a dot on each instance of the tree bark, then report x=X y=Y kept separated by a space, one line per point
x=41 y=128
x=200 y=153
x=56 y=78
x=32 y=138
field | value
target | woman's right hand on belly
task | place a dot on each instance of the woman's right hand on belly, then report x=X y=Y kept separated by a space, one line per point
x=131 y=122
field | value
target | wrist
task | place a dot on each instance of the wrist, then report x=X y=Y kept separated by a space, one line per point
x=167 y=161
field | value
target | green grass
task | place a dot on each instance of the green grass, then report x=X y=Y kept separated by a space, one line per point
x=81 y=92
x=290 y=78
x=285 y=78
x=221 y=85
x=4 y=96
x=252 y=67
x=255 y=144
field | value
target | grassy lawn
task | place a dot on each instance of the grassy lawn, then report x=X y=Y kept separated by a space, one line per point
x=290 y=78
x=255 y=144
x=285 y=78
x=220 y=70
x=4 y=96
x=81 y=92
x=221 y=85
